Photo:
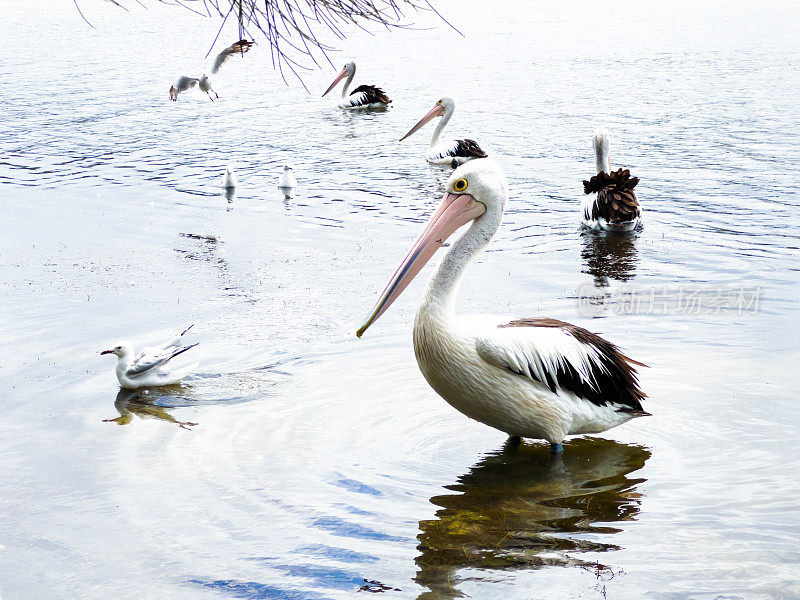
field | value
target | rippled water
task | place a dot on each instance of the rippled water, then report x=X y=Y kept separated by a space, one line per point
x=302 y=463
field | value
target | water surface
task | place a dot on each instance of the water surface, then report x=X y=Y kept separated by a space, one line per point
x=302 y=463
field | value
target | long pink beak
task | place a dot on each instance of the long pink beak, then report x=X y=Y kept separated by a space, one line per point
x=436 y=111
x=454 y=211
x=339 y=77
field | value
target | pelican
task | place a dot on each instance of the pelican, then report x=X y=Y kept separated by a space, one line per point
x=448 y=152
x=150 y=366
x=610 y=203
x=185 y=83
x=364 y=96
x=535 y=378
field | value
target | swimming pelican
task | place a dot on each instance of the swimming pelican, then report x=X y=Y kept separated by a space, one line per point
x=448 y=152
x=184 y=83
x=536 y=378
x=149 y=367
x=610 y=203
x=364 y=96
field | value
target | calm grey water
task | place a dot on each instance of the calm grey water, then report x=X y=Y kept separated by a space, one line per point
x=302 y=463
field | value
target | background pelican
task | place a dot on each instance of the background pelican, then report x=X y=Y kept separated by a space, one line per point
x=150 y=366
x=536 y=378
x=184 y=83
x=447 y=152
x=364 y=96
x=611 y=203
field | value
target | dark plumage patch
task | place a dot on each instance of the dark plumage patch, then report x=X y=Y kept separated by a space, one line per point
x=372 y=94
x=469 y=148
x=616 y=380
x=616 y=201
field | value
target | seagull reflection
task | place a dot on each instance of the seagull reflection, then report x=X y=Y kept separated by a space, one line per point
x=146 y=405
x=608 y=255
x=518 y=508
x=230 y=195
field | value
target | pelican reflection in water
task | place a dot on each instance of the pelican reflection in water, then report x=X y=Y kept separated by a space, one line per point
x=520 y=509
x=609 y=255
x=146 y=405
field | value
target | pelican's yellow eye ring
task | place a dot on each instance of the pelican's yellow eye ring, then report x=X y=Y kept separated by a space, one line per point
x=460 y=185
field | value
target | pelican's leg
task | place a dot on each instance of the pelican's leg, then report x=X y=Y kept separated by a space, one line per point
x=556 y=448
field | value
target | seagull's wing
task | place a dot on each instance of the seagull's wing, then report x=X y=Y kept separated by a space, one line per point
x=146 y=362
x=564 y=357
x=184 y=83
x=239 y=47
x=172 y=343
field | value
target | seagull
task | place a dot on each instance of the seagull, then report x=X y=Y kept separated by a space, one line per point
x=229 y=178
x=185 y=83
x=287 y=183
x=150 y=366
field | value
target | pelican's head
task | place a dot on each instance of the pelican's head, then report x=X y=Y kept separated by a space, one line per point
x=347 y=71
x=122 y=350
x=476 y=191
x=442 y=106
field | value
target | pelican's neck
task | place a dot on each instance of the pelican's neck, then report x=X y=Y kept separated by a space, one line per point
x=448 y=112
x=348 y=81
x=601 y=154
x=443 y=286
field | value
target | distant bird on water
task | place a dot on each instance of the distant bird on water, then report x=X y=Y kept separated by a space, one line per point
x=364 y=96
x=535 y=378
x=184 y=83
x=611 y=203
x=446 y=152
x=150 y=366
x=229 y=178
x=288 y=183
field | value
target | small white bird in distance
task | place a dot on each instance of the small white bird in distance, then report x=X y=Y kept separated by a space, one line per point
x=229 y=178
x=184 y=83
x=150 y=367
x=287 y=183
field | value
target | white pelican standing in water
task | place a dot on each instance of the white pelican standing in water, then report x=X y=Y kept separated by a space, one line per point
x=446 y=152
x=611 y=203
x=364 y=96
x=535 y=378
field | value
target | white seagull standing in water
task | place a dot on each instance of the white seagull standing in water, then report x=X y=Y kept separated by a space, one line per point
x=610 y=203
x=364 y=96
x=150 y=366
x=536 y=378
x=184 y=83
x=446 y=152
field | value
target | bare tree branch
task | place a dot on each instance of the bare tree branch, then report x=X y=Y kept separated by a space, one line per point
x=282 y=22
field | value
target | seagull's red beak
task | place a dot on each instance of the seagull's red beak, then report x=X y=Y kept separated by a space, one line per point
x=436 y=111
x=106 y=352
x=454 y=211
x=339 y=77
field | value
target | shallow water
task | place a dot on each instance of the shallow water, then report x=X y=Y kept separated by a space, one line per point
x=302 y=463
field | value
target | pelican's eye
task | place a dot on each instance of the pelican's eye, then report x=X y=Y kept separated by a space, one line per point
x=460 y=185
